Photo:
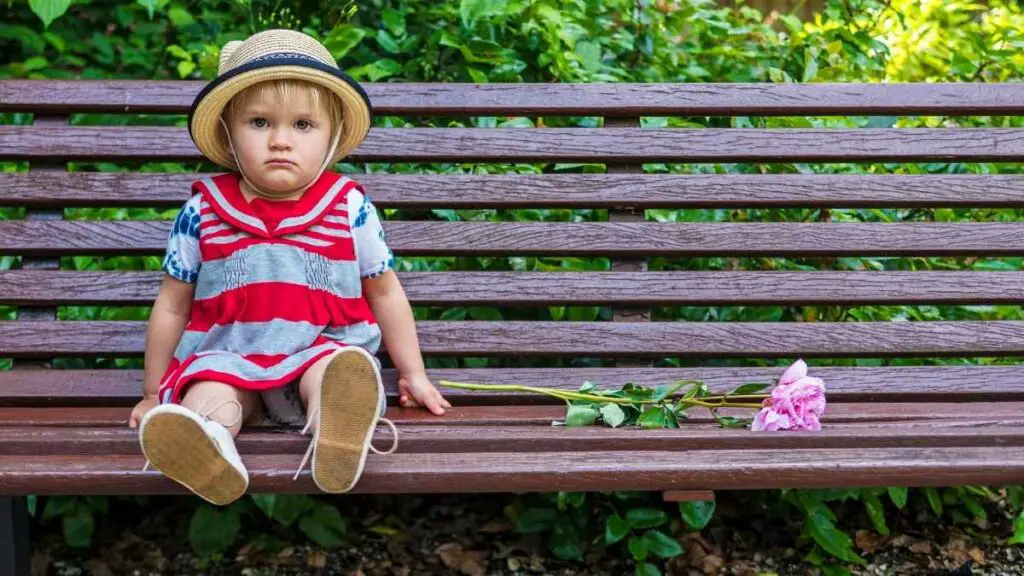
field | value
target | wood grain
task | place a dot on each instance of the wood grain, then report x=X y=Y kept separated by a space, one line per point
x=626 y=339
x=862 y=384
x=732 y=99
x=608 y=145
x=685 y=288
x=422 y=191
x=414 y=238
x=554 y=471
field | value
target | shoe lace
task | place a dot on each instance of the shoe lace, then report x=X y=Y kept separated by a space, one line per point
x=312 y=443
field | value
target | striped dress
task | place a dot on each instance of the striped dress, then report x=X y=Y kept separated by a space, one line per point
x=277 y=284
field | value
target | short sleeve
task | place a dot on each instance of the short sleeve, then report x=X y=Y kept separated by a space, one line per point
x=372 y=252
x=182 y=260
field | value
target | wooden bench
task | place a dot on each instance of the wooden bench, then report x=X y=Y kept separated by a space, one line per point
x=63 y=431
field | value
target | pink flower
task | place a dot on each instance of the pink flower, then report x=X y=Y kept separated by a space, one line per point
x=796 y=403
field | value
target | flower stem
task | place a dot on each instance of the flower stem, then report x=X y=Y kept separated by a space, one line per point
x=707 y=402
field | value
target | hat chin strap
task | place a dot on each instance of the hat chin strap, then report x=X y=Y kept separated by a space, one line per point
x=273 y=195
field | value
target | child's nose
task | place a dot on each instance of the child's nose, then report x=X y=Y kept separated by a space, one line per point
x=280 y=138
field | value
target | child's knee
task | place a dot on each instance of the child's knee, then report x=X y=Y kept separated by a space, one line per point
x=219 y=402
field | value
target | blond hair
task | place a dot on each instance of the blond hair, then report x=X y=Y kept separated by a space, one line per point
x=286 y=90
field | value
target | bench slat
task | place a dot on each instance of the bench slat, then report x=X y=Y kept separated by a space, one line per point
x=434 y=238
x=123 y=288
x=543 y=471
x=861 y=384
x=121 y=441
x=597 y=339
x=422 y=191
x=950 y=99
x=612 y=145
x=995 y=413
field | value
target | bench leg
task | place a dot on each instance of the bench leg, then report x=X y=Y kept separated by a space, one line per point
x=14 y=544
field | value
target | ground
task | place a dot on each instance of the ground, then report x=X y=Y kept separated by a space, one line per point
x=469 y=535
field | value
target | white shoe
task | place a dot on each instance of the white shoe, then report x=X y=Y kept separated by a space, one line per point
x=352 y=402
x=194 y=451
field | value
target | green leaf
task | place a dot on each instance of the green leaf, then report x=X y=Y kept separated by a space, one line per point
x=696 y=515
x=49 y=10
x=640 y=518
x=647 y=569
x=876 y=511
x=185 y=67
x=661 y=544
x=653 y=417
x=974 y=506
x=472 y=10
x=748 y=388
x=1018 y=530
x=830 y=538
x=581 y=415
x=31 y=502
x=152 y=6
x=898 y=495
x=536 y=520
x=565 y=542
x=613 y=415
x=835 y=570
x=325 y=526
x=343 y=39
x=213 y=530
x=615 y=529
x=265 y=502
x=180 y=17
x=589 y=54
x=484 y=314
x=394 y=20
x=453 y=314
x=387 y=42
x=288 y=507
x=665 y=390
x=78 y=526
x=934 y=499
x=57 y=505
x=638 y=548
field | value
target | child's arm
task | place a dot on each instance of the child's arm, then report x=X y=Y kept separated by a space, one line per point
x=166 y=324
x=398 y=329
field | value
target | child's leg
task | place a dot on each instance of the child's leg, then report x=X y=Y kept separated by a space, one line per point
x=193 y=444
x=343 y=397
x=222 y=403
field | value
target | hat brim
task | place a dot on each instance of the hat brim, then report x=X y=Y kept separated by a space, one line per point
x=208 y=106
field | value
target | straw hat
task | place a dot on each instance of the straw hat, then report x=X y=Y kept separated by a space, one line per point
x=275 y=55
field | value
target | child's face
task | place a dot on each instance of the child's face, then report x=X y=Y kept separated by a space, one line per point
x=280 y=145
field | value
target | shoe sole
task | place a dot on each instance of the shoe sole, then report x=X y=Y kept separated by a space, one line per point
x=178 y=447
x=349 y=411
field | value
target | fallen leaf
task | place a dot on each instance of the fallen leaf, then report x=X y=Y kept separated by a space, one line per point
x=977 y=555
x=921 y=547
x=868 y=541
x=496 y=526
x=513 y=564
x=901 y=541
x=98 y=568
x=286 y=553
x=712 y=564
x=743 y=569
x=402 y=571
x=696 y=554
x=317 y=559
x=469 y=562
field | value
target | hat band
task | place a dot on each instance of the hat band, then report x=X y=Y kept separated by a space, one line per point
x=273 y=60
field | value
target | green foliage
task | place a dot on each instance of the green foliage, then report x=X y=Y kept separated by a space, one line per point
x=572 y=41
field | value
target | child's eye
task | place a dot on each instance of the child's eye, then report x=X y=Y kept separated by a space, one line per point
x=259 y=122
x=303 y=125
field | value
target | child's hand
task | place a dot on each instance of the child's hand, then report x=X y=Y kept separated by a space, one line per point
x=145 y=405
x=417 y=390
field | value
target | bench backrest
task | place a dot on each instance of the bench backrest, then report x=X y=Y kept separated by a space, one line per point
x=695 y=257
